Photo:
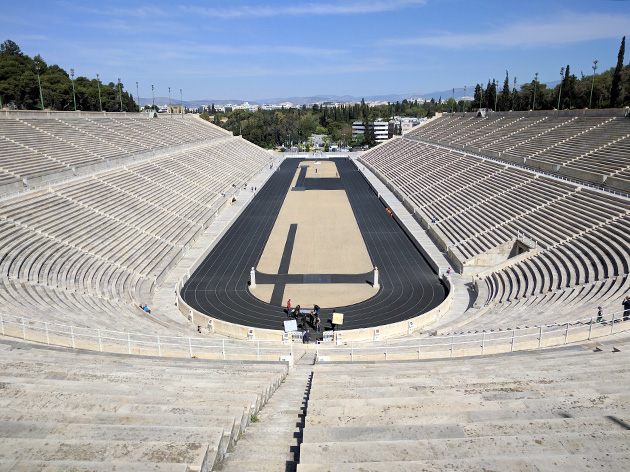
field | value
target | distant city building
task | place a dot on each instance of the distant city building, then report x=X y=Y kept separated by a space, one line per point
x=406 y=124
x=175 y=109
x=383 y=130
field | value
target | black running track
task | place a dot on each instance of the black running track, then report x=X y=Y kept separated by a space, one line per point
x=219 y=287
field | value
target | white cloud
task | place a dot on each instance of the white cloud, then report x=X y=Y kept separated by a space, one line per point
x=569 y=28
x=138 y=12
x=270 y=10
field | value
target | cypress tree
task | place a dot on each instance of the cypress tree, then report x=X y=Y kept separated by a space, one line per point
x=616 y=78
x=477 y=97
x=505 y=94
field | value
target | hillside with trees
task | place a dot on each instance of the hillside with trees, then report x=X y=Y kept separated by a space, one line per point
x=19 y=86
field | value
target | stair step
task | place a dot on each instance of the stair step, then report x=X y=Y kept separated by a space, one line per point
x=255 y=466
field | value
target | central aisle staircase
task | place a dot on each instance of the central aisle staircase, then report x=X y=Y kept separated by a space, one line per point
x=271 y=443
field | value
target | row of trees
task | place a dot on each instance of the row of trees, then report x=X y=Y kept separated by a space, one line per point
x=273 y=128
x=609 y=89
x=20 y=89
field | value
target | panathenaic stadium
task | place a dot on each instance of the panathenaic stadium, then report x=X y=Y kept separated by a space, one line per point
x=456 y=270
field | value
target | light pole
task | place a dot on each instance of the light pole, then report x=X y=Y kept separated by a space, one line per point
x=494 y=85
x=453 y=104
x=560 y=91
x=120 y=93
x=74 y=98
x=514 y=94
x=41 y=95
x=593 y=82
x=138 y=97
x=464 y=105
x=535 y=82
x=98 y=83
x=181 y=101
x=169 y=101
x=153 y=95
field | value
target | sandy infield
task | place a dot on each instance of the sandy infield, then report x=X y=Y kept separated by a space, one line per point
x=327 y=241
x=324 y=295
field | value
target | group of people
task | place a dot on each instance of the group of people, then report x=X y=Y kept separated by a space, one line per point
x=307 y=318
x=626 y=310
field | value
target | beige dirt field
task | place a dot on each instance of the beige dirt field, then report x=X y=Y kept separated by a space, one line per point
x=324 y=295
x=327 y=241
x=321 y=169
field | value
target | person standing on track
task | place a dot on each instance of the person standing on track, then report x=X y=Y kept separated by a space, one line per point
x=289 y=308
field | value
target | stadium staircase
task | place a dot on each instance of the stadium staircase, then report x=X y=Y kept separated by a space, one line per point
x=273 y=442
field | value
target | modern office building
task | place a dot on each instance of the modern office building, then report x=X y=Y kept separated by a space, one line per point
x=383 y=130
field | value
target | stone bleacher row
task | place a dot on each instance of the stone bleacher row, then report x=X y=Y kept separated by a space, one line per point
x=72 y=410
x=593 y=149
x=108 y=238
x=481 y=204
x=33 y=149
x=545 y=410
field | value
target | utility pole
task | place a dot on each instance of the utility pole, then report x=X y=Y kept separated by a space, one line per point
x=464 y=105
x=98 y=83
x=41 y=95
x=593 y=82
x=535 y=82
x=560 y=91
x=120 y=93
x=514 y=94
x=74 y=98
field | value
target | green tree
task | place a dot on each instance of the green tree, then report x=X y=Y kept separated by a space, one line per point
x=19 y=87
x=506 y=97
x=616 y=78
x=477 y=97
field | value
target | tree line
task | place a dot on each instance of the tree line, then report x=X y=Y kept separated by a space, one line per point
x=274 y=128
x=609 y=89
x=20 y=89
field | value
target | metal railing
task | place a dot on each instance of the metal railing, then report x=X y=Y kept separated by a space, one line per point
x=452 y=345
x=103 y=340
x=470 y=344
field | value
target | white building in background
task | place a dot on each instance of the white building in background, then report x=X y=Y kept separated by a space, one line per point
x=406 y=123
x=383 y=130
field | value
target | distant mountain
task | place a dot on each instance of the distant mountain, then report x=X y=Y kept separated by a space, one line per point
x=160 y=101
x=443 y=94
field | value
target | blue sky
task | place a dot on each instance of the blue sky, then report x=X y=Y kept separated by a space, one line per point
x=255 y=49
